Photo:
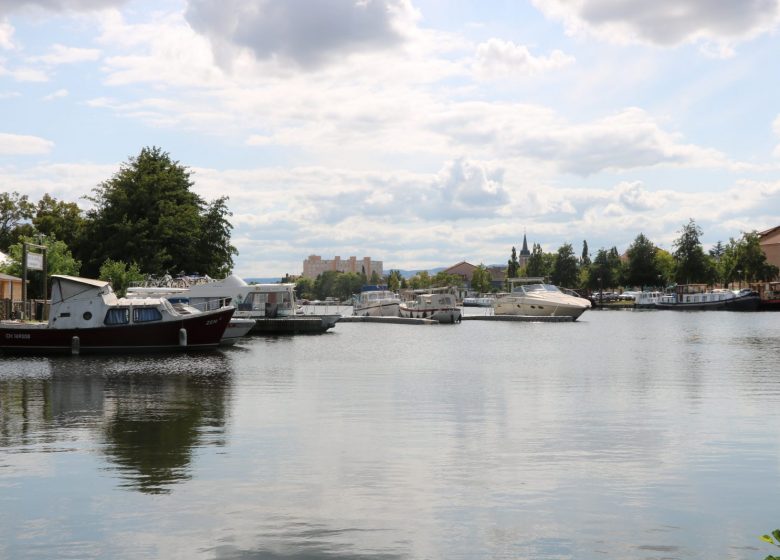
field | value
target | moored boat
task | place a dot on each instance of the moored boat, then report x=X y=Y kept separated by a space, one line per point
x=272 y=307
x=479 y=301
x=647 y=300
x=86 y=316
x=532 y=297
x=770 y=296
x=237 y=327
x=434 y=306
x=699 y=297
x=377 y=301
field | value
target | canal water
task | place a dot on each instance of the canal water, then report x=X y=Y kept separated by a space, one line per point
x=624 y=435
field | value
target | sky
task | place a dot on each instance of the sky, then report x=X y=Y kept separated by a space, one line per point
x=419 y=133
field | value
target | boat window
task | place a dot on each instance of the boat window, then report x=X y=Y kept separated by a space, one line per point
x=146 y=314
x=117 y=316
x=87 y=315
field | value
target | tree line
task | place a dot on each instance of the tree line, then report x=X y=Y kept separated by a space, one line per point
x=645 y=265
x=144 y=220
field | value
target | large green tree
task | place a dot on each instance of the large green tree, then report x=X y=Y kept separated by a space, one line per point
x=62 y=220
x=642 y=268
x=147 y=213
x=537 y=264
x=693 y=266
x=395 y=281
x=744 y=260
x=481 y=280
x=605 y=270
x=512 y=265
x=15 y=210
x=120 y=275
x=565 y=271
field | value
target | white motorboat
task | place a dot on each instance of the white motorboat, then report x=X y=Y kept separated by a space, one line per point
x=647 y=300
x=377 y=301
x=271 y=306
x=437 y=307
x=533 y=298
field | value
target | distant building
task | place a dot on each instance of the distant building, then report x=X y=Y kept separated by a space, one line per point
x=770 y=244
x=497 y=276
x=464 y=270
x=315 y=265
x=10 y=287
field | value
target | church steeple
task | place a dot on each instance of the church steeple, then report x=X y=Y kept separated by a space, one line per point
x=524 y=251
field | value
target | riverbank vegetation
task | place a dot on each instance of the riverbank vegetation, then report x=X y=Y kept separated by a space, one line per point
x=144 y=220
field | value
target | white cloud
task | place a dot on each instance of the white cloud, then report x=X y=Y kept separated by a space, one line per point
x=720 y=22
x=19 y=144
x=60 y=54
x=8 y=6
x=626 y=140
x=505 y=60
x=24 y=74
x=6 y=36
x=57 y=94
x=776 y=128
x=305 y=33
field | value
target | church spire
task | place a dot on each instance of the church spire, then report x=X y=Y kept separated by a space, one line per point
x=524 y=250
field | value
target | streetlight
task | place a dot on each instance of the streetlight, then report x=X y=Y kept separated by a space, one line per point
x=739 y=275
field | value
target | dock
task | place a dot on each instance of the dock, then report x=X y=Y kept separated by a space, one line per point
x=519 y=318
x=393 y=320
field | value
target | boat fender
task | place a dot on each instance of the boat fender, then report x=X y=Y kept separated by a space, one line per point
x=75 y=346
x=182 y=337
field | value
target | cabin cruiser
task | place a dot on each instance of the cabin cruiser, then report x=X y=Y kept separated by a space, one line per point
x=435 y=306
x=533 y=298
x=699 y=297
x=376 y=301
x=272 y=306
x=85 y=315
x=237 y=327
x=647 y=300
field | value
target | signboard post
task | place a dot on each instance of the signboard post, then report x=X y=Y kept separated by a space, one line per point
x=32 y=261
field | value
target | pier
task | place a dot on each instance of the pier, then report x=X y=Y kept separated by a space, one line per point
x=519 y=318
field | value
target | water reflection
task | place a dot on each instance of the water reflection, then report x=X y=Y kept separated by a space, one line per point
x=147 y=414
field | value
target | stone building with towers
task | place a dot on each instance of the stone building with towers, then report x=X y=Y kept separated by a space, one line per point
x=315 y=265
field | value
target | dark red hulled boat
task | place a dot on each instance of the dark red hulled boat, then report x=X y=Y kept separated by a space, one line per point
x=86 y=316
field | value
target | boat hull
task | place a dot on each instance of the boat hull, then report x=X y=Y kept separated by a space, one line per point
x=535 y=308
x=236 y=329
x=201 y=331
x=744 y=303
x=442 y=315
x=379 y=310
x=295 y=324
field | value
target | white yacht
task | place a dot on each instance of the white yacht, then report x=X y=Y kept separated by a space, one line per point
x=271 y=306
x=376 y=301
x=435 y=306
x=532 y=297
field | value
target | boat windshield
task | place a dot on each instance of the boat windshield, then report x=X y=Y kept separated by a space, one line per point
x=536 y=288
